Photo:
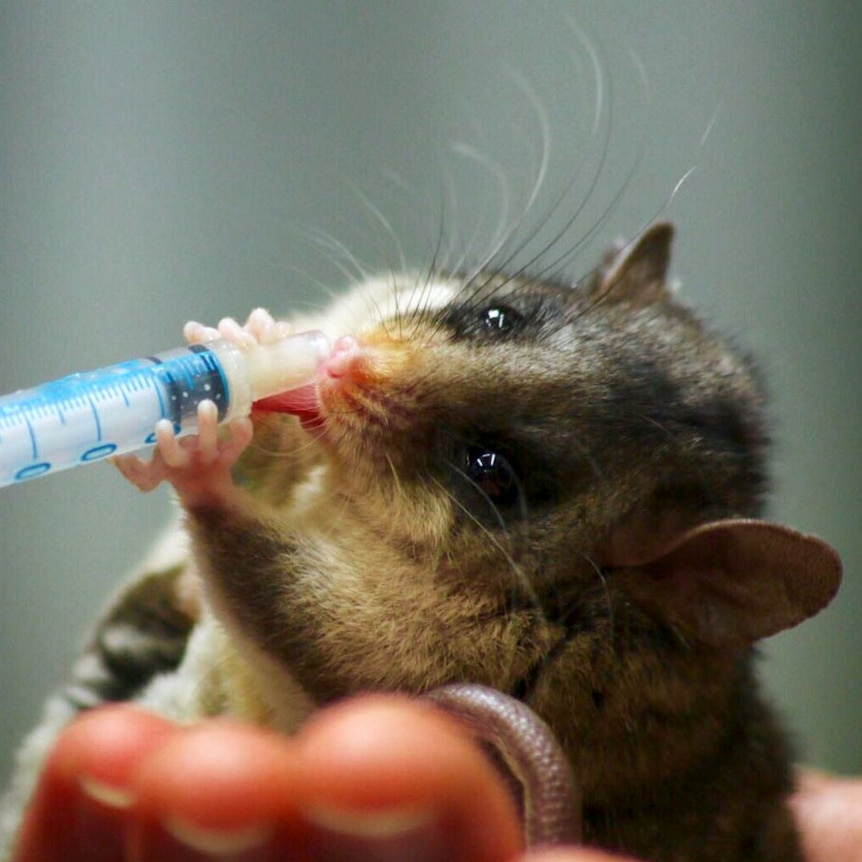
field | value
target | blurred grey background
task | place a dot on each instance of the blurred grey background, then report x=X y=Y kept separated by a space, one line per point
x=164 y=160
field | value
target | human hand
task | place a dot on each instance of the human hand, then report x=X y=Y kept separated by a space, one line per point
x=829 y=813
x=377 y=778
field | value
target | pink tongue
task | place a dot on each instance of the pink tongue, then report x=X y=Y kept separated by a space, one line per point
x=300 y=402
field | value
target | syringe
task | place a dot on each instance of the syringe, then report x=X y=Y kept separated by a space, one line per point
x=86 y=417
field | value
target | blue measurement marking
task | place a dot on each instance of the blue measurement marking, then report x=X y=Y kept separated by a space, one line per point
x=32 y=432
x=32 y=471
x=162 y=406
x=96 y=419
x=98 y=452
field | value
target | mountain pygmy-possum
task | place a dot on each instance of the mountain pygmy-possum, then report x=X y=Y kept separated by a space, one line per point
x=550 y=490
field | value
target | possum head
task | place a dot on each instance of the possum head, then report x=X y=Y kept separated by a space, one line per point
x=551 y=489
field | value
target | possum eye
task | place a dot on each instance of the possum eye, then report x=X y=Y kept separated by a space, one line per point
x=493 y=475
x=500 y=318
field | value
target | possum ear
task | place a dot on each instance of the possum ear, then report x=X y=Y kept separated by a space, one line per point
x=730 y=583
x=637 y=272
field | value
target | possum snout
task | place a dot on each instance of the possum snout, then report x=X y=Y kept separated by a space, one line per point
x=361 y=383
x=344 y=359
x=371 y=359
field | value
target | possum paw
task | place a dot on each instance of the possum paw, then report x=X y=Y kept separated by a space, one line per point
x=199 y=466
x=259 y=328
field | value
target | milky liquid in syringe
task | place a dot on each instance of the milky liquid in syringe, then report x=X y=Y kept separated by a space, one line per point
x=86 y=417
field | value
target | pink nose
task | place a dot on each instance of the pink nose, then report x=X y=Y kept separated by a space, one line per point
x=344 y=355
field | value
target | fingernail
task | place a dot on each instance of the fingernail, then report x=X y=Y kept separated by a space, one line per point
x=100 y=820
x=246 y=843
x=176 y=840
x=104 y=794
x=377 y=836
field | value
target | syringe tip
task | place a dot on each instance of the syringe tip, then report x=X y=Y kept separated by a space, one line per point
x=286 y=364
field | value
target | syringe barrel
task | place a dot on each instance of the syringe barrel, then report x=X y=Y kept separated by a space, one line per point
x=86 y=417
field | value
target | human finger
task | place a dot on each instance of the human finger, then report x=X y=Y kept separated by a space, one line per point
x=80 y=808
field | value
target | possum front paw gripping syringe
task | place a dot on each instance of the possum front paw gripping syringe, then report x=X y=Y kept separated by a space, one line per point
x=86 y=417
